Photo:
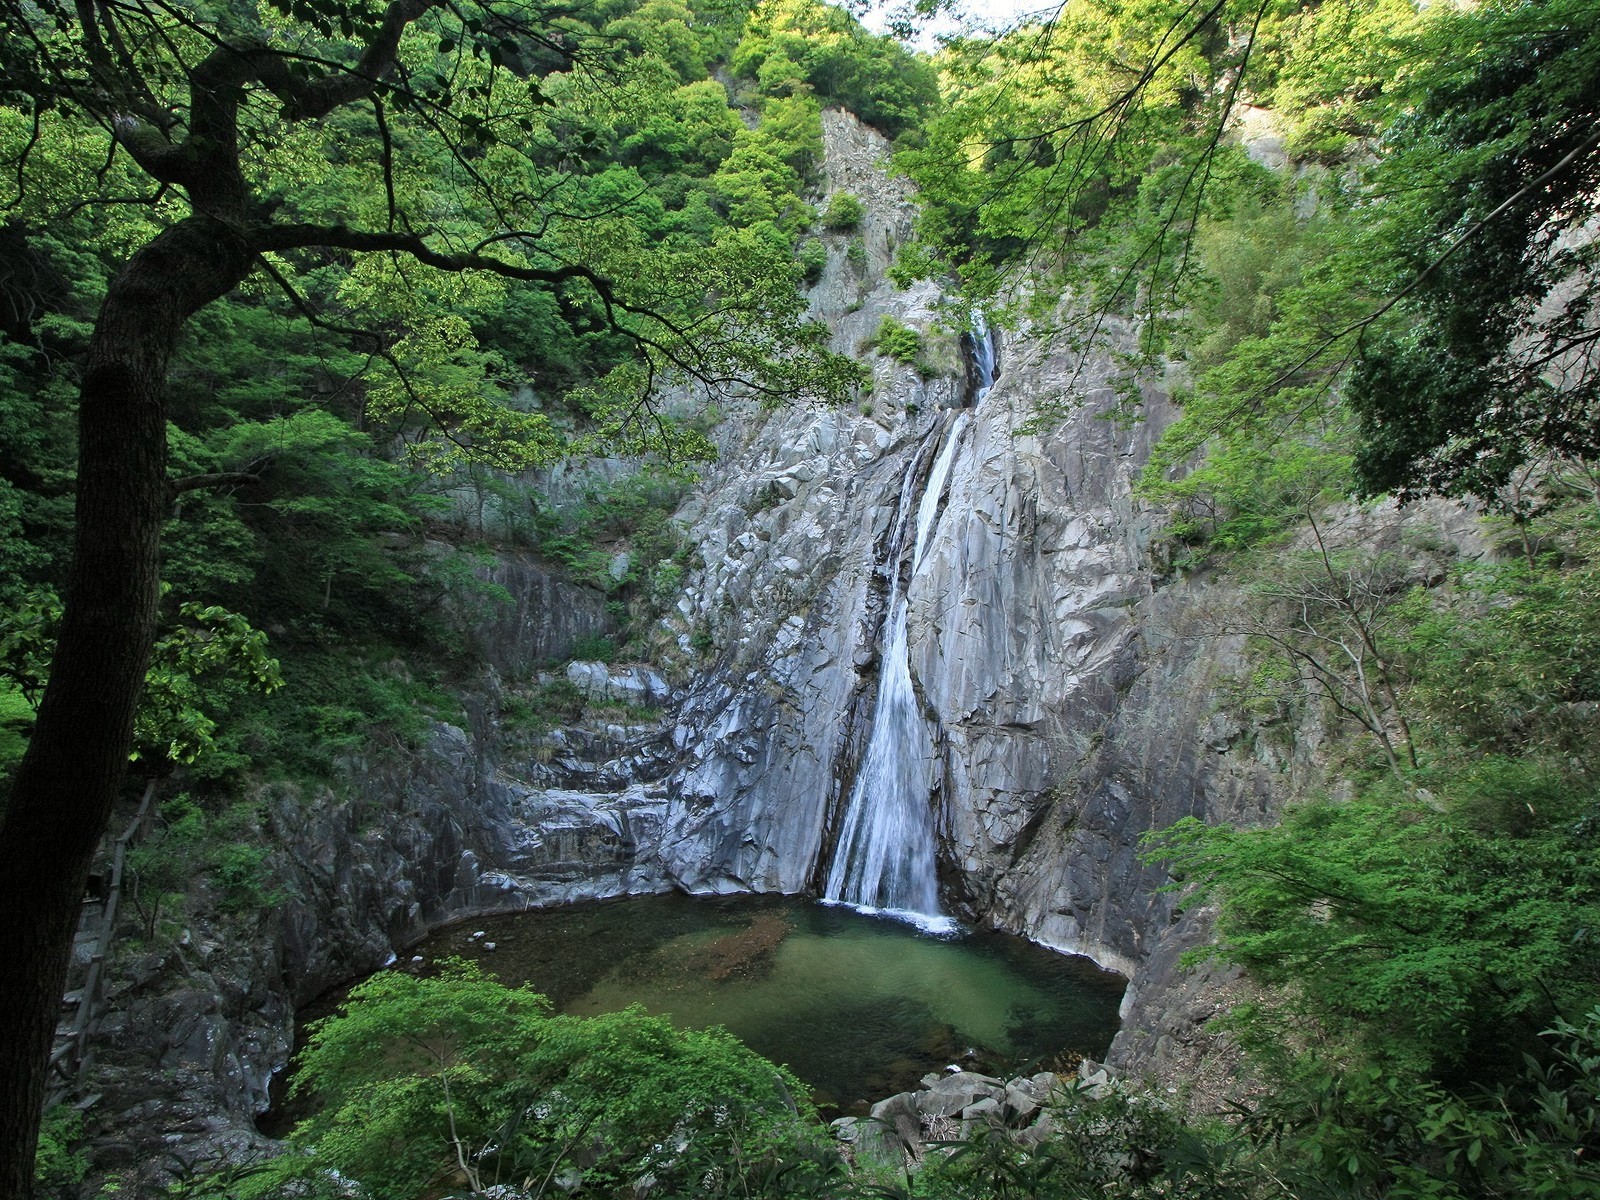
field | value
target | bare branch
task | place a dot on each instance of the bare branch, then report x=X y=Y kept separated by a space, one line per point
x=217 y=479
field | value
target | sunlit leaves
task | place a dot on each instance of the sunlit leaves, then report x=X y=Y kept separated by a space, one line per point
x=425 y=1075
x=795 y=46
x=203 y=643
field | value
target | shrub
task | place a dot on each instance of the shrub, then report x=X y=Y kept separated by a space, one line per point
x=897 y=341
x=844 y=213
x=814 y=258
x=594 y=647
x=242 y=877
x=58 y=1166
x=462 y=1078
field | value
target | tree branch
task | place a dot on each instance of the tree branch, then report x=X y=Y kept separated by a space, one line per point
x=217 y=479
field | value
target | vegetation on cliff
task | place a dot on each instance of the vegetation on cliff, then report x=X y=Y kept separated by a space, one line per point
x=1379 y=284
x=439 y=247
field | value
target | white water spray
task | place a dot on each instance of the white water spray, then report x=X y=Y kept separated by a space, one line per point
x=884 y=861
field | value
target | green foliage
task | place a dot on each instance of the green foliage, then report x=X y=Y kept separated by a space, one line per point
x=16 y=715
x=242 y=878
x=1509 y=661
x=1417 y=940
x=1404 y=932
x=205 y=653
x=897 y=340
x=166 y=861
x=337 y=700
x=608 y=141
x=1053 y=151
x=844 y=213
x=59 y=1166
x=795 y=46
x=463 y=1079
x=594 y=647
x=813 y=257
x=1485 y=365
x=223 y=846
x=538 y=709
x=208 y=643
x=620 y=538
x=1418 y=318
x=1263 y=438
x=1119 y=1143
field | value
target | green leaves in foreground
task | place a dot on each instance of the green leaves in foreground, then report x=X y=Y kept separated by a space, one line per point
x=462 y=1082
x=1403 y=933
x=207 y=649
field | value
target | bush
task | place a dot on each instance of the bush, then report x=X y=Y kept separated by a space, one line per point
x=242 y=877
x=814 y=258
x=58 y=1166
x=897 y=341
x=463 y=1080
x=844 y=213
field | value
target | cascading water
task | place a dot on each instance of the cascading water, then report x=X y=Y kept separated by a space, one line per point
x=884 y=860
x=983 y=357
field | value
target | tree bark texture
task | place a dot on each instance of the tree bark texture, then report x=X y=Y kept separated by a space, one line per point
x=62 y=797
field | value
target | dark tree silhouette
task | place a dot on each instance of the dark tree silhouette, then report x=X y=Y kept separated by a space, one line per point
x=186 y=94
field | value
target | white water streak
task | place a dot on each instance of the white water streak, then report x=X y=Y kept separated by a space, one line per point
x=885 y=856
x=884 y=861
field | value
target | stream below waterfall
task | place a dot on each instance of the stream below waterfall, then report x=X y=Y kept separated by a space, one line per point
x=859 y=1008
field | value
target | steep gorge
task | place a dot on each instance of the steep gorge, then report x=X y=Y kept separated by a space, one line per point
x=1069 y=687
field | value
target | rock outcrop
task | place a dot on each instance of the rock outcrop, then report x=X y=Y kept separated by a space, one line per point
x=475 y=819
x=899 y=1129
x=1074 y=692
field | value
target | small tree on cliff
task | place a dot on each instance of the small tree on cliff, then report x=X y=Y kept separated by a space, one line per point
x=429 y=110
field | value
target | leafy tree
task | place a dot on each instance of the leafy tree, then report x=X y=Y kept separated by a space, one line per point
x=414 y=145
x=462 y=1081
x=844 y=213
x=201 y=646
x=1492 y=358
x=791 y=45
x=1417 y=938
x=1086 y=148
x=1333 y=613
x=1441 y=322
x=1432 y=948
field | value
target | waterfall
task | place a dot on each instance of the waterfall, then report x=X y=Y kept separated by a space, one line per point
x=884 y=860
x=983 y=357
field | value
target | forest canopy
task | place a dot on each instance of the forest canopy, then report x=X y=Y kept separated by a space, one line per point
x=297 y=300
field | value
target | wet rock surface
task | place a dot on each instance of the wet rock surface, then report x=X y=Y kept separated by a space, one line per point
x=475 y=819
x=1074 y=688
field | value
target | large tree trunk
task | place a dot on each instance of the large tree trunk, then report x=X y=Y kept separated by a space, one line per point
x=66 y=785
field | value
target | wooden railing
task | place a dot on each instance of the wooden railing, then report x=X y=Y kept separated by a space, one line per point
x=71 y=1050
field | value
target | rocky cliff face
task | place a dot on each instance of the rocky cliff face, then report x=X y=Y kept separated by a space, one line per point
x=1073 y=697
x=479 y=817
x=1062 y=722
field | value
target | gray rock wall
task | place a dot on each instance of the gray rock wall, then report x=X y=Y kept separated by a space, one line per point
x=475 y=819
x=1075 y=698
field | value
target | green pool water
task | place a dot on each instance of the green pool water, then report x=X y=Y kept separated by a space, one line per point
x=858 y=1007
